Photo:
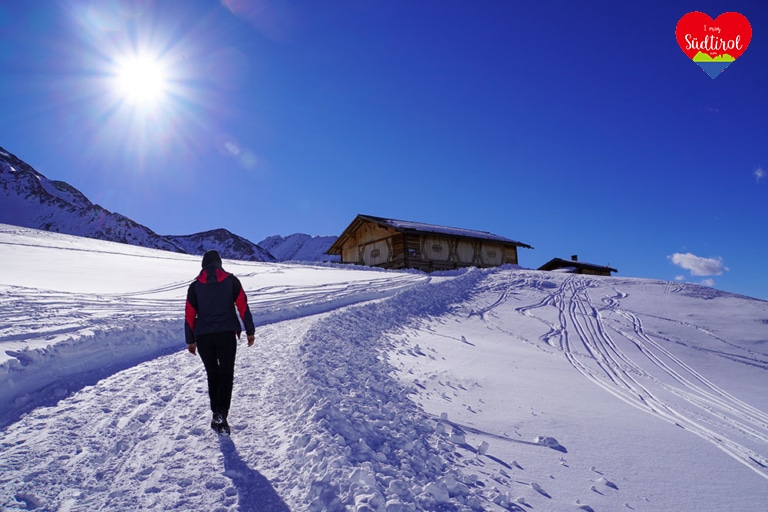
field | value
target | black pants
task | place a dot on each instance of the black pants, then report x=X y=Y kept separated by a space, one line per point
x=217 y=351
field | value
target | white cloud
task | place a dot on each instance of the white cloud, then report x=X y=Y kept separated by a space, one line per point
x=697 y=265
x=679 y=278
x=708 y=282
x=759 y=174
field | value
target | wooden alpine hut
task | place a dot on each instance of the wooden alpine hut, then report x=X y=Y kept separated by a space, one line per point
x=574 y=266
x=398 y=244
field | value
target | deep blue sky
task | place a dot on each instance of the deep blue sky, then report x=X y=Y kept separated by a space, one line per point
x=575 y=127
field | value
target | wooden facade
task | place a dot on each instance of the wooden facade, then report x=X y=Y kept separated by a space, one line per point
x=393 y=244
x=575 y=266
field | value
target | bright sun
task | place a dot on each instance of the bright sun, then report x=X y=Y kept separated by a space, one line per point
x=141 y=80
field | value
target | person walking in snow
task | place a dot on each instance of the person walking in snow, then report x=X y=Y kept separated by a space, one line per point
x=212 y=328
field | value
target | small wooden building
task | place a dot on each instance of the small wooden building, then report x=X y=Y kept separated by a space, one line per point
x=397 y=244
x=574 y=266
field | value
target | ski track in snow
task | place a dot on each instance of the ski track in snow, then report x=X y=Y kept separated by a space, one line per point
x=600 y=351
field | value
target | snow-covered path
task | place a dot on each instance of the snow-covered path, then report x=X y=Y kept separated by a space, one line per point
x=76 y=310
x=139 y=439
x=493 y=390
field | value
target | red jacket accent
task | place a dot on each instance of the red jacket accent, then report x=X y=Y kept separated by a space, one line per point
x=216 y=302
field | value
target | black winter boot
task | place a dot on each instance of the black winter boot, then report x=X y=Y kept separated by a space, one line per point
x=219 y=423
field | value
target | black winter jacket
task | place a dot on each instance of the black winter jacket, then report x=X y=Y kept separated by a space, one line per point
x=214 y=301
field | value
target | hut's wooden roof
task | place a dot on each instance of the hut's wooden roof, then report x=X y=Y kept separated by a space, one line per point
x=405 y=226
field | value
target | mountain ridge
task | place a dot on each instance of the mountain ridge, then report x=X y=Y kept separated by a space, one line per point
x=30 y=199
x=300 y=247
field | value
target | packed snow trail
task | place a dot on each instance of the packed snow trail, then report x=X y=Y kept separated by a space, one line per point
x=139 y=440
x=54 y=341
x=308 y=392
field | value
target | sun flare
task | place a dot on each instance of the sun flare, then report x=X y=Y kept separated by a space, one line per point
x=141 y=80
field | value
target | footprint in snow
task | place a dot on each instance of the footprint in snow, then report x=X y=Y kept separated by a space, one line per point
x=30 y=501
x=536 y=487
x=608 y=483
x=550 y=442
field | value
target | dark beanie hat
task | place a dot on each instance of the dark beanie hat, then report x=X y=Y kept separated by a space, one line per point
x=211 y=258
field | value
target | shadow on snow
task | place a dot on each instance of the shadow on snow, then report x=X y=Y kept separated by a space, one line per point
x=254 y=492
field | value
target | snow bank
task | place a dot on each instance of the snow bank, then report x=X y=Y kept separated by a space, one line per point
x=31 y=378
x=361 y=443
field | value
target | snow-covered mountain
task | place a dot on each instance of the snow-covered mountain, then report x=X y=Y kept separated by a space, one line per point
x=29 y=199
x=227 y=243
x=300 y=247
x=375 y=391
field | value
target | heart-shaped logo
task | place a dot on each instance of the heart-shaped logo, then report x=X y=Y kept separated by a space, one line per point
x=713 y=44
